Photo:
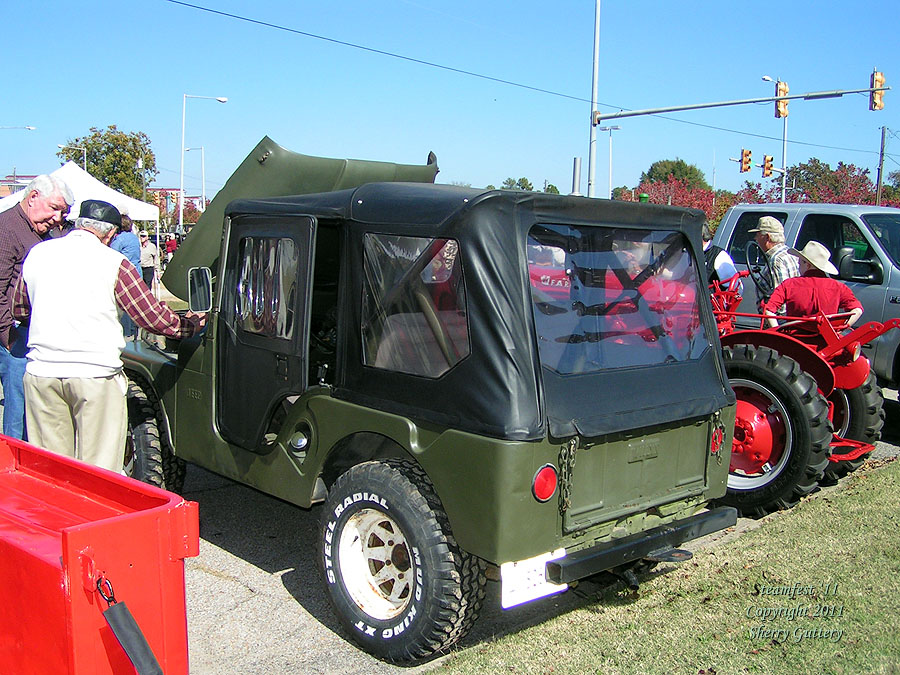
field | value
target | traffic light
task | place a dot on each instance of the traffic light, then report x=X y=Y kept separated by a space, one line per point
x=767 y=166
x=746 y=162
x=781 y=89
x=876 y=98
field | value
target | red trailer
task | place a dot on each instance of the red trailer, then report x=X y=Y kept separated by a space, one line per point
x=70 y=534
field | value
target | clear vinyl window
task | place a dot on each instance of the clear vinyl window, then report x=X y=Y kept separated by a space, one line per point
x=413 y=305
x=267 y=286
x=613 y=297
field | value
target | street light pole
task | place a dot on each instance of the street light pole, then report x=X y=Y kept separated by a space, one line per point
x=202 y=176
x=83 y=154
x=592 y=145
x=610 y=130
x=220 y=99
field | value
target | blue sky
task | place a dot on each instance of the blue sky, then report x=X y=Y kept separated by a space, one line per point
x=74 y=65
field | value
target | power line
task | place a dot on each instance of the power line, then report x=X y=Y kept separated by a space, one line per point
x=489 y=78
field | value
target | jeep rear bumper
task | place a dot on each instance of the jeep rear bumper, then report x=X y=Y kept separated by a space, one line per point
x=608 y=555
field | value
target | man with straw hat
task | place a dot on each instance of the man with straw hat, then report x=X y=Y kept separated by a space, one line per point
x=813 y=291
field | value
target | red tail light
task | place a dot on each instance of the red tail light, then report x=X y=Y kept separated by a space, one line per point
x=715 y=443
x=544 y=484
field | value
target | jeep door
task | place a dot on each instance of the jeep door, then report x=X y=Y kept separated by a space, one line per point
x=263 y=323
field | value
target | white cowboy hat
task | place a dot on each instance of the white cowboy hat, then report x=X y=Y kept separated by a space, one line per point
x=816 y=255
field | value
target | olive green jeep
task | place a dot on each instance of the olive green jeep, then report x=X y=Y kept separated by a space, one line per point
x=468 y=380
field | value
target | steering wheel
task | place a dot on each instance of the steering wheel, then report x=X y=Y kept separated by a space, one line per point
x=760 y=270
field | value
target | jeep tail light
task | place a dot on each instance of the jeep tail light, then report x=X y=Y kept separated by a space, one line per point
x=544 y=484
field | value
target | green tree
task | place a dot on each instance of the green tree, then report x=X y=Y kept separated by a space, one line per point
x=115 y=157
x=525 y=185
x=816 y=181
x=688 y=174
x=893 y=179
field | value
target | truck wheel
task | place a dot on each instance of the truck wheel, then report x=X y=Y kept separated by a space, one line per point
x=858 y=415
x=782 y=436
x=147 y=457
x=396 y=578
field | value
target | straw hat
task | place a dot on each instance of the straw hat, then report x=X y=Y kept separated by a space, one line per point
x=816 y=255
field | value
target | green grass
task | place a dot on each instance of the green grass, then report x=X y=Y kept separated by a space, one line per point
x=693 y=618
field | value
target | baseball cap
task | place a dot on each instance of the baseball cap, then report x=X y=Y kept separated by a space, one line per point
x=768 y=225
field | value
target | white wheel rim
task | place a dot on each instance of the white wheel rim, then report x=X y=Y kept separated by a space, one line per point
x=742 y=482
x=375 y=564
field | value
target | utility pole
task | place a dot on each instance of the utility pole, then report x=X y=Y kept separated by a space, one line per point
x=880 y=170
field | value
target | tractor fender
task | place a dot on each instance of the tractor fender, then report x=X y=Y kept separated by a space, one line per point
x=852 y=374
x=810 y=361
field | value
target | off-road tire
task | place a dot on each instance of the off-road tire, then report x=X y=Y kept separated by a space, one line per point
x=794 y=401
x=148 y=456
x=391 y=505
x=864 y=410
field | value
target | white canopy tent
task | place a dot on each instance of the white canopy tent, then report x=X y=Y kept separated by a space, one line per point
x=85 y=186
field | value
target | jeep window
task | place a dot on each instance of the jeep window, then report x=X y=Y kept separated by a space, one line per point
x=886 y=226
x=621 y=298
x=414 y=305
x=267 y=283
x=741 y=234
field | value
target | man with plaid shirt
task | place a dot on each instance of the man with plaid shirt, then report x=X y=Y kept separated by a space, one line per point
x=72 y=290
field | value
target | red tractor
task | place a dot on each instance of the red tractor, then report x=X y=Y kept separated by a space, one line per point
x=809 y=408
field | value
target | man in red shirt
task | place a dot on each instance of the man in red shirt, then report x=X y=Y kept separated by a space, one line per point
x=813 y=291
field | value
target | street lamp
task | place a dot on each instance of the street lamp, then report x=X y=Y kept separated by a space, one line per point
x=220 y=99
x=83 y=153
x=610 y=130
x=202 y=176
x=766 y=78
x=26 y=128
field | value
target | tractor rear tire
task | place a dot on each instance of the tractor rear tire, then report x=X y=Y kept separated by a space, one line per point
x=858 y=416
x=782 y=434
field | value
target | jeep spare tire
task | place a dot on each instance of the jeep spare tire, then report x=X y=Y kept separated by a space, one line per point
x=398 y=582
x=782 y=435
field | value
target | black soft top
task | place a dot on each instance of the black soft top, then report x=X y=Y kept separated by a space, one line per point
x=500 y=389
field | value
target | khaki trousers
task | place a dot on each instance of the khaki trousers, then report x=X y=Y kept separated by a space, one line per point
x=81 y=417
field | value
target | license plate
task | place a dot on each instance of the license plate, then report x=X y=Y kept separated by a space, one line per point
x=525 y=580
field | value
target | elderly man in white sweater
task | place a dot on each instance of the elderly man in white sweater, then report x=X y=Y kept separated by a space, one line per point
x=72 y=290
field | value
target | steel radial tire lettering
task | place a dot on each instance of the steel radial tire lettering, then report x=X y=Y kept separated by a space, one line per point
x=398 y=582
x=858 y=415
x=789 y=412
x=148 y=457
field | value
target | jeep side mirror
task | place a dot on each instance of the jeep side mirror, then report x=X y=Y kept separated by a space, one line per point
x=199 y=289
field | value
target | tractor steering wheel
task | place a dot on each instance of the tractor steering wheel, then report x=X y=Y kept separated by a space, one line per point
x=760 y=269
